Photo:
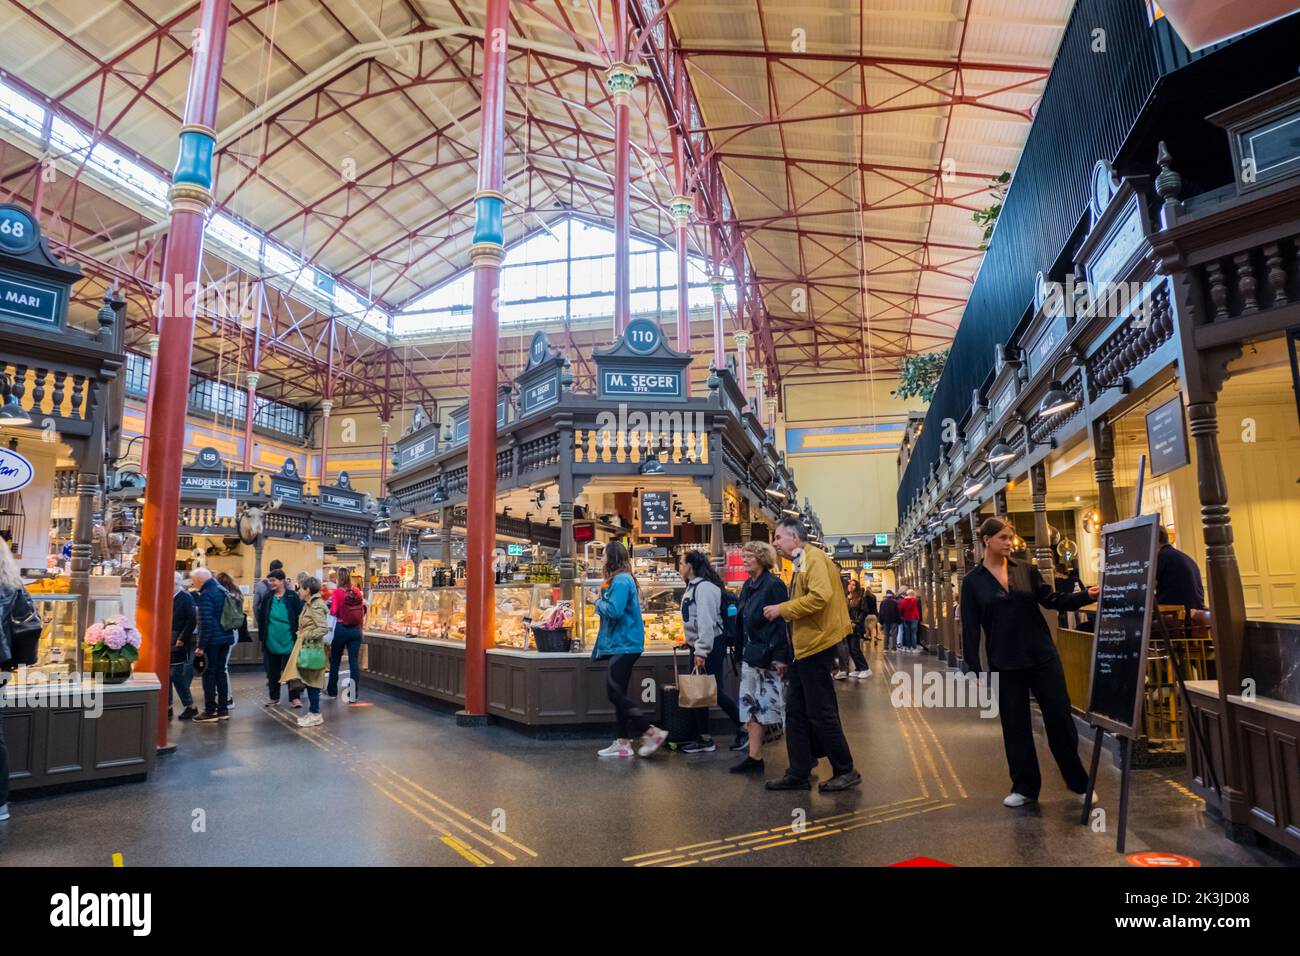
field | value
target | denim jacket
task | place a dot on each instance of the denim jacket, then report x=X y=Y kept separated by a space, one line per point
x=622 y=630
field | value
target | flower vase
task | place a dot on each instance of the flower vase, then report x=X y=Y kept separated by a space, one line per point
x=115 y=670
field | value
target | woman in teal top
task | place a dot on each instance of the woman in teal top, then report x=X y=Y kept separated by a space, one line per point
x=622 y=639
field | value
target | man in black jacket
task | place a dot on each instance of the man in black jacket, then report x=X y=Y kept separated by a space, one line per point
x=184 y=623
x=889 y=619
x=277 y=624
x=1178 y=579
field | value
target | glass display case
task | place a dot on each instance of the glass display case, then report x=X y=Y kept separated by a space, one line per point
x=59 y=648
x=439 y=613
x=661 y=610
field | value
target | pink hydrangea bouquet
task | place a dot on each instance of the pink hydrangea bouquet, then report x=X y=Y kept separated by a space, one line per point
x=115 y=639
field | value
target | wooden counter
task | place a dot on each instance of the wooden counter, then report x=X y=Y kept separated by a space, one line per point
x=62 y=733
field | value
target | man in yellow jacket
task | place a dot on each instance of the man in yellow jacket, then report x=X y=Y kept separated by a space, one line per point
x=819 y=619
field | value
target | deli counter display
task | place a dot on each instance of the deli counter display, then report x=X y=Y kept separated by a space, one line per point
x=661 y=610
x=59 y=650
x=439 y=613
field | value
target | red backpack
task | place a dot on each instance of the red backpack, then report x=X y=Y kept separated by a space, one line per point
x=353 y=611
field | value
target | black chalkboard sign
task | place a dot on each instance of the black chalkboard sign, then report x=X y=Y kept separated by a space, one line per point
x=1167 y=437
x=656 y=514
x=1124 y=606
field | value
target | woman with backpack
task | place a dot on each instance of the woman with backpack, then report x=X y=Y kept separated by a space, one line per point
x=243 y=637
x=621 y=641
x=307 y=663
x=766 y=652
x=348 y=605
x=702 y=623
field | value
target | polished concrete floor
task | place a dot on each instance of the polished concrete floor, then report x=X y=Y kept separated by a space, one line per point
x=399 y=783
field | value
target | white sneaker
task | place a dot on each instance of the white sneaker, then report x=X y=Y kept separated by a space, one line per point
x=651 y=741
x=1014 y=799
x=617 y=749
x=862 y=675
x=310 y=720
x=4 y=812
x=840 y=675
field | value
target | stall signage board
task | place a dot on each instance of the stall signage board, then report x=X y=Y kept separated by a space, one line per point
x=1123 y=621
x=216 y=484
x=540 y=395
x=342 y=499
x=1046 y=343
x=656 y=512
x=15 y=471
x=638 y=383
x=31 y=300
x=418 y=451
x=1167 y=437
x=288 y=490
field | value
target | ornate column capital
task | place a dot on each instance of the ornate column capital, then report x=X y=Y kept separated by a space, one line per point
x=252 y=378
x=620 y=81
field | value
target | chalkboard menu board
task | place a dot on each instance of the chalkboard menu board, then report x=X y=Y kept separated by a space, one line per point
x=1167 y=437
x=656 y=514
x=1123 y=622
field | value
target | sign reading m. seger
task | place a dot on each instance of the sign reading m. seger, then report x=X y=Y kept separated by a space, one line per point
x=631 y=383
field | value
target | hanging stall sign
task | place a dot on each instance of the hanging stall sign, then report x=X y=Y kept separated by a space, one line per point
x=460 y=417
x=287 y=485
x=342 y=498
x=412 y=450
x=640 y=365
x=15 y=471
x=539 y=383
x=656 y=514
x=1167 y=437
x=205 y=477
x=1123 y=621
x=34 y=286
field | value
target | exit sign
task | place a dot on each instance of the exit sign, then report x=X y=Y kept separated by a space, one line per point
x=882 y=541
x=515 y=550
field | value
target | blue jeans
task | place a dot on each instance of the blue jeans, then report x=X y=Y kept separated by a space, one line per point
x=181 y=678
x=891 y=636
x=313 y=700
x=909 y=633
x=349 y=639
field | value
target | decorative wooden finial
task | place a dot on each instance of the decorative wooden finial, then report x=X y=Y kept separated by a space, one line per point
x=1168 y=183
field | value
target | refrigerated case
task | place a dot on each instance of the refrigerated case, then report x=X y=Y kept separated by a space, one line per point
x=59 y=651
x=439 y=613
x=661 y=604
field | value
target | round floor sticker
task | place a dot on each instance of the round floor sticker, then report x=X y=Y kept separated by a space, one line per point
x=1161 y=859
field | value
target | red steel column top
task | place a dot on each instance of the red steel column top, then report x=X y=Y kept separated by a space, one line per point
x=491 y=158
x=205 y=71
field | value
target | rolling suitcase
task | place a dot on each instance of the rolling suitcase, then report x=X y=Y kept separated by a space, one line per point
x=677 y=720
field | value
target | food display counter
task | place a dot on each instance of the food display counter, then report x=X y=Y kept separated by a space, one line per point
x=415 y=642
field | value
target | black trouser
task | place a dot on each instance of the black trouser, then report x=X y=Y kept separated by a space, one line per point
x=1047 y=682
x=274 y=664
x=349 y=639
x=216 y=681
x=812 y=717
x=700 y=715
x=4 y=765
x=628 y=717
x=855 y=650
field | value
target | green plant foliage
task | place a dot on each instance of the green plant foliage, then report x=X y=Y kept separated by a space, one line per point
x=919 y=374
x=988 y=217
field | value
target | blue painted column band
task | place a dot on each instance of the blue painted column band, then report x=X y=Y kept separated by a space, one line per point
x=194 y=162
x=489 y=213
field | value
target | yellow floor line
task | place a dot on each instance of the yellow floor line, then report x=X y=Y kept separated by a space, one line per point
x=686 y=863
x=464 y=851
x=925 y=749
x=768 y=846
x=645 y=856
x=818 y=836
x=743 y=836
x=664 y=860
x=693 y=846
x=722 y=856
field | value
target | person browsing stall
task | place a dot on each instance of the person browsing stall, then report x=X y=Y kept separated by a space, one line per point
x=1001 y=599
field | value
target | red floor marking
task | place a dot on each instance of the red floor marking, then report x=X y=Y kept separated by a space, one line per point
x=921 y=861
x=1161 y=859
x=358 y=703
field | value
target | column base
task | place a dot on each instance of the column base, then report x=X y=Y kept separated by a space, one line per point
x=466 y=719
x=166 y=749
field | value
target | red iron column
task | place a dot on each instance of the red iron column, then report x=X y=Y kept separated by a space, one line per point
x=680 y=206
x=620 y=80
x=191 y=198
x=250 y=413
x=486 y=254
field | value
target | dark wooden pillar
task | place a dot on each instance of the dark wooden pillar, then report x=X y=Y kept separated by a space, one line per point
x=1103 y=469
x=1042 y=531
x=959 y=542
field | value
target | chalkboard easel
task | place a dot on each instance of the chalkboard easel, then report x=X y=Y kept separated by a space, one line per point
x=1119 y=657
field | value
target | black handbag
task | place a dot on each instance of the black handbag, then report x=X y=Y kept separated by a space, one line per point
x=24 y=631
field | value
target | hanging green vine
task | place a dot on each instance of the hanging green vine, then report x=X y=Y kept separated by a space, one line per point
x=919 y=374
x=988 y=218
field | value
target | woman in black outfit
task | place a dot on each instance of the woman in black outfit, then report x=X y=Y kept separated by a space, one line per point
x=766 y=651
x=1001 y=598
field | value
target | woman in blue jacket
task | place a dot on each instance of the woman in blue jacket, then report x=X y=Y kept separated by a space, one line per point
x=621 y=640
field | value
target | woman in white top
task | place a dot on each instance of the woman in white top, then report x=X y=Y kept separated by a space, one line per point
x=702 y=623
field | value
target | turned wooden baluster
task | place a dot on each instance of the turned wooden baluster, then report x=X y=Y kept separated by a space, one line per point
x=1218 y=288
x=1276 y=273
x=1246 y=282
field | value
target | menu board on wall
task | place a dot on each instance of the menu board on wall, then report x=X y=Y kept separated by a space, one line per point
x=1167 y=437
x=1123 y=622
x=656 y=514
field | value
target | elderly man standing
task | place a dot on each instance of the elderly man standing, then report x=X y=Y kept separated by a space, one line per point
x=819 y=617
x=215 y=643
